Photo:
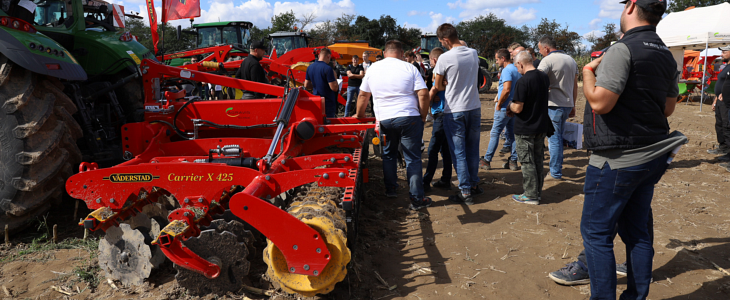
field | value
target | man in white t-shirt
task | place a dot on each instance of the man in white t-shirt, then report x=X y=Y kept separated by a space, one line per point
x=401 y=103
x=462 y=109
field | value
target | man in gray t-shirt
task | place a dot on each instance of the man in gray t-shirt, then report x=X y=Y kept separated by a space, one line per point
x=462 y=109
x=563 y=73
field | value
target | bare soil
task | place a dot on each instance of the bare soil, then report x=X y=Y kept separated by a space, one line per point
x=495 y=249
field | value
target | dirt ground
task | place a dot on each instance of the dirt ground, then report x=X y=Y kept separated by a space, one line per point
x=495 y=249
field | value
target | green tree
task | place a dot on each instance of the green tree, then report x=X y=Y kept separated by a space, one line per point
x=566 y=40
x=488 y=33
x=343 y=27
x=283 y=21
x=322 y=34
x=610 y=34
x=680 y=5
x=410 y=37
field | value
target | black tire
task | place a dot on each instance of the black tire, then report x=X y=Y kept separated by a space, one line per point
x=485 y=80
x=38 y=138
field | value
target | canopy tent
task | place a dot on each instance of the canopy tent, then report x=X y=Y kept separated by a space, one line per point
x=696 y=29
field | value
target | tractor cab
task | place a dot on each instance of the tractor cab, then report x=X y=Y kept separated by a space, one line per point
x=235 y=33
x=428 y=42
x=284 y=41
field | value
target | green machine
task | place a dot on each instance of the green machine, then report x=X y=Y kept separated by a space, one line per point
x=430 y=41
x=68 y=81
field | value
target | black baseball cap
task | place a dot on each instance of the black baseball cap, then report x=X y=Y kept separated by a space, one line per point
x=258 y=45
x=645 y=5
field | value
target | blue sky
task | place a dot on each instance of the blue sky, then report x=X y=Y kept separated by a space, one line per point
x=583 y=17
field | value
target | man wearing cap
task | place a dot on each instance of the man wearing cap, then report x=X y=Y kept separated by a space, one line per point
x=630 y=92
x=722 y=124
x=251 y=69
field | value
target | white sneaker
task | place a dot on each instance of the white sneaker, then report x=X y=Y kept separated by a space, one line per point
x=429 y=118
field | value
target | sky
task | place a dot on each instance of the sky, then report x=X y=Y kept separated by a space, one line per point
x=583 y=17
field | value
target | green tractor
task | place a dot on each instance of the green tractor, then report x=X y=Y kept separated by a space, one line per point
x=210 y=35
x=485 y=76
x=65 y=73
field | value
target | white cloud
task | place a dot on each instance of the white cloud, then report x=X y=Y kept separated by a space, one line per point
x=611 y=9
x=483 y=4
x=513 y=17
x=595 y=23
x=322 y=9
x=436 y=20
x=594 y=33
x=417 y=13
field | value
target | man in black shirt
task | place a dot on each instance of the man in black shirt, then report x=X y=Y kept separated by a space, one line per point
x=252 y=70
x=532 y=124
x=722 y=124
x=355 y=73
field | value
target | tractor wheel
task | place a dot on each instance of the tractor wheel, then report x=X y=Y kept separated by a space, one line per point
x=131 y=99
x=318 y=208
x=38 y=144
x=485 y=80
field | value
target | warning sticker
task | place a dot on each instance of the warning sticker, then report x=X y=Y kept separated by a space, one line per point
x=134 y=56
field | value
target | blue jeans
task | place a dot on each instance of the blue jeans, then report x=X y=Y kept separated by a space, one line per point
x=619 y=197
x=558 y=115
x=501 y=122
x=407 y=131
x=462 y=132
x=438 y=144
x=352 y=93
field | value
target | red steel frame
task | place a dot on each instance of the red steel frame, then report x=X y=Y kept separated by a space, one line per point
x=165 y=164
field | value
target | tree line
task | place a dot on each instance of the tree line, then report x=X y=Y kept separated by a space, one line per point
x=485 y=33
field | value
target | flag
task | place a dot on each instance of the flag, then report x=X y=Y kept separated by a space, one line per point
x=153 y=23
x=180 y=9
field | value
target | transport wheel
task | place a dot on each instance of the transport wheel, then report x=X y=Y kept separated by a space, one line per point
x=38 y=144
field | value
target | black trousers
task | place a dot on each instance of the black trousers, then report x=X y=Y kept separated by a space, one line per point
x=722 y=125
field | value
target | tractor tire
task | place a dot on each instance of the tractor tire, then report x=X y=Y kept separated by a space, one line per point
x=38 y=144
x=131 y=99
x=485 y=80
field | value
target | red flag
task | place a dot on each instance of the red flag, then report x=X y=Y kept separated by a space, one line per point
x=180 y=9
x=153 y=23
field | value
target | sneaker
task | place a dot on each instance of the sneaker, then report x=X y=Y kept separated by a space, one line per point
x=622 y=269
x=418 y=204
x=484 y=164
x=505 y=149
x=549 y=177
x=724 y=165
x=476 y=191
x=461 y=199
x=724 y=158
x=717 y=151
x=391 y=194
x=442 y=185
x=571 y=274
x=522 y=199
x=511 y=164
x=426 y=187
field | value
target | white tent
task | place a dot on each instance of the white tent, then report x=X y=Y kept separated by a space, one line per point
x=696 y=29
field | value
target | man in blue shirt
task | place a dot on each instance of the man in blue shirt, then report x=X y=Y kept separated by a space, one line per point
x=321 y=80
x=509 y=76
x=438 y=143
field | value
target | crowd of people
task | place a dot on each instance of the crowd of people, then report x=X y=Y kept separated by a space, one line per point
x=625 y=129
